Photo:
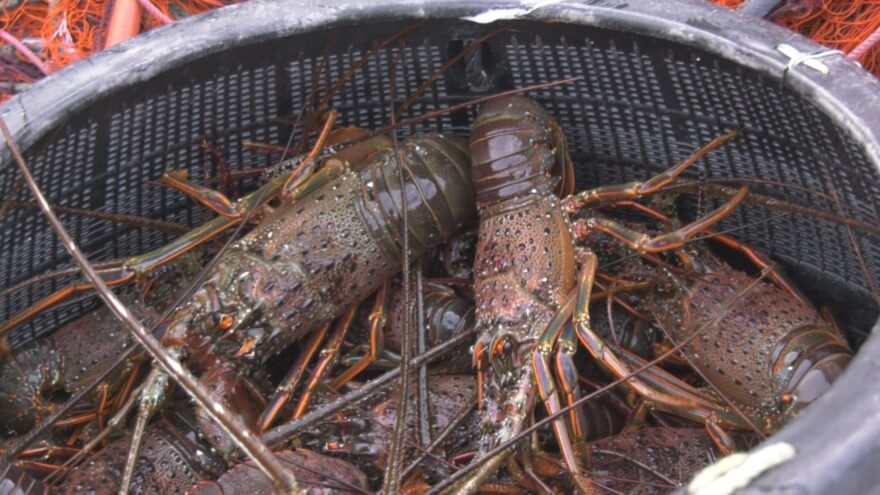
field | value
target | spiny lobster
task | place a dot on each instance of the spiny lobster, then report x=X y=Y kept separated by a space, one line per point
x=533 y=301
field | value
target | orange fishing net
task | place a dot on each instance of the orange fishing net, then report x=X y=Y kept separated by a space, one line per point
x=841 y=24
x=846 y=25
x=58 y=32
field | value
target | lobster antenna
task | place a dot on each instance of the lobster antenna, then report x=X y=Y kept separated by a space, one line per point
x=255 y=449
x=391 y=482
x=422 y=411
x=719 y=187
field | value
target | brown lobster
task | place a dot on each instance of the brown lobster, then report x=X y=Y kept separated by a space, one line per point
x=309 y=261
x=527 y=288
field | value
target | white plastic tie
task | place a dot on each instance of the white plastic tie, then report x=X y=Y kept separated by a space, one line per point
x=811 y=60
x=490 y=16
x=737 y=470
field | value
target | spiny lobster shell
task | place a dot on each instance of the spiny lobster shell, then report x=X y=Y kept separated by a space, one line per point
x=770 y=352
x=316 y=474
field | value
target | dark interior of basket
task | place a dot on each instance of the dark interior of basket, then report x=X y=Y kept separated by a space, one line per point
x=642 y=105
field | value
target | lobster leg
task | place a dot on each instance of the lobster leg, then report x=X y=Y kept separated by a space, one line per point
x=567 y=375
x=104 y=391
x=328 y=355
x=547 y=390
x=643 y=243
x=636 y=189
x=156 y=388
x=481 y=363
x=287 y=387
x=377 y=326
x=637 y=417
x=215 y=200
x=756 y=257
x=720 y=437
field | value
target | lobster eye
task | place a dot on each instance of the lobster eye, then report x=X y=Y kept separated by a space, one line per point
x=508 y=347
x=502 y=346
x=501 y=353
x=224 y=321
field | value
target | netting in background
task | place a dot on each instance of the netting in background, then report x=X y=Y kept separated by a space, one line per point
x=851 y=26
x=59 y=32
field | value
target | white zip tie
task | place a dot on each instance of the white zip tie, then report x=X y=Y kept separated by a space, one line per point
x=493 y=15
x=811 y=60
x=737 y=470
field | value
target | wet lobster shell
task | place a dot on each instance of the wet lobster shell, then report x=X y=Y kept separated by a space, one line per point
x=15 y=481
x=676 y=453
x=317 y=474
x=360 y=433
x=446 y=316
x=771 y=353
x=173 y=458
x=66 y=362
x=308 y=261
x=525 y=264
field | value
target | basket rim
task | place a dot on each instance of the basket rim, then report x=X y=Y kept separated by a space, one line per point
x=847 y=94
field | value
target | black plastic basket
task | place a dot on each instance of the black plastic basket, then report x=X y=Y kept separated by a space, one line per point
x=660 y=78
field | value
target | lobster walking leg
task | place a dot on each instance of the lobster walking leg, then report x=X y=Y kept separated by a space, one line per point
x=288 y=385
x=757 y=258
x=377 y=326
x=644 y=243
x=328 y=356
x=548 y=391
x=567 y=376
x=215 y=200
x=637 y=189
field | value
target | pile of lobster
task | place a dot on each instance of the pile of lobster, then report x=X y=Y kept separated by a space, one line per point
x=650 y=352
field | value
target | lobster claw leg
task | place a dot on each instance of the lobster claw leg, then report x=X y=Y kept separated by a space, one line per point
x=548 y=392
x=377 y=326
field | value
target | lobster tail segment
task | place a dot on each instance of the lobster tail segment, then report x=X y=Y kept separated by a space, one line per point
x=508 y=160
x=436 y=184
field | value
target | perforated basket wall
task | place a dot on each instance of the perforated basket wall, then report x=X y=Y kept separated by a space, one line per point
x=642 y=104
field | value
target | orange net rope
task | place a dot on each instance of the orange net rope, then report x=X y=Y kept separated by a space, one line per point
x=60 y=32
x=841 y=24
x=50 y=34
